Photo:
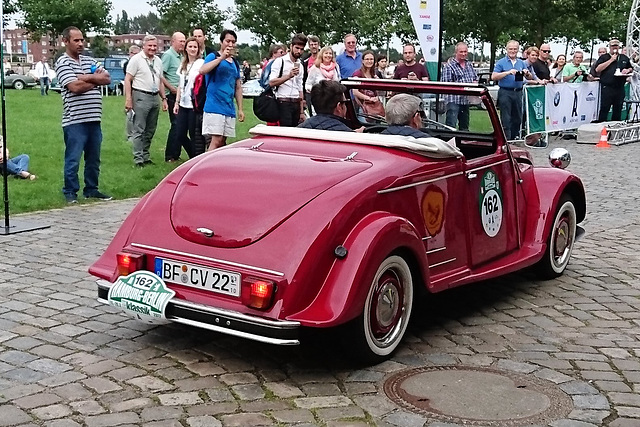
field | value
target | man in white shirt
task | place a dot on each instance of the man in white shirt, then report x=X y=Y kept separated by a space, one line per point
x=142 y=86
x=286 y=79
x=42 y=72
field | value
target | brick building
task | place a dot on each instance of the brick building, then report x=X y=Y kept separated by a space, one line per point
x=17 y=43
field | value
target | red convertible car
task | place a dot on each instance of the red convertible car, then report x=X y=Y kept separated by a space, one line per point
x=299 y=228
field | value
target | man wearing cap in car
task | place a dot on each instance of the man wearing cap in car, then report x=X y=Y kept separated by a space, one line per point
x=613 y=68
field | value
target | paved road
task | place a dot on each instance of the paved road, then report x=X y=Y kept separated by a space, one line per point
x=66 y=360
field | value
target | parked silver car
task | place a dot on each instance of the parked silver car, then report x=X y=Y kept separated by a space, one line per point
x=18 y=81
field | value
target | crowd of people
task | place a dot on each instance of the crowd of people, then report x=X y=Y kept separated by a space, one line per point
x=306 y=86
x=612 y=69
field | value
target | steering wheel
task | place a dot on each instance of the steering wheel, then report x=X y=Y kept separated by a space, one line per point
x=374 y=129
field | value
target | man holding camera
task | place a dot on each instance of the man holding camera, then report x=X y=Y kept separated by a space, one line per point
x=510 y=73
x=613 y=68
x=575 y=72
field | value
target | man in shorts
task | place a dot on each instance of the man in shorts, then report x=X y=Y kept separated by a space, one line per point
x=224 y=83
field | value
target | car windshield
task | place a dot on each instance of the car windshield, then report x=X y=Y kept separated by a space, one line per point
x=433 y=97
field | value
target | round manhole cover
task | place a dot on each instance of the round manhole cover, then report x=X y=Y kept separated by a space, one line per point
x=478 y=396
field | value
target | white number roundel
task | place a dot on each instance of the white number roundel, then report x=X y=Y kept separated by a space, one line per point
x=491 y=212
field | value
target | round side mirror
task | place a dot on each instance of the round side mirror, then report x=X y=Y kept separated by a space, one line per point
x=559 y=158
x=536 y=140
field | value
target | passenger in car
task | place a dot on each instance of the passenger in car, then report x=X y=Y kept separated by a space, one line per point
x=327 y=97
x=404 y=116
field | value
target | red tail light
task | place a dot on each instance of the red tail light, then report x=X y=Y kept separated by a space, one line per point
x=128 y=263
x=258 y=293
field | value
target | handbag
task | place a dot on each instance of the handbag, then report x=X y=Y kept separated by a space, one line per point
x=265 y=106
x=372 y=108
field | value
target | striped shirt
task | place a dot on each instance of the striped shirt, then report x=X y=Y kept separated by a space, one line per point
x=77 y=107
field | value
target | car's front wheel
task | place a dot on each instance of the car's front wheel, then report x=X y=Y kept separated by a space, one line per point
x=18 y=85
x=375 y=334
x=561 y=240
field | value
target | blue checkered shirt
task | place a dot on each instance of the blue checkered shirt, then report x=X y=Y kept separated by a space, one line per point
x=453 y=72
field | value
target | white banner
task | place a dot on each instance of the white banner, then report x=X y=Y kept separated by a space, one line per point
x=569 y=105
x=425 y=15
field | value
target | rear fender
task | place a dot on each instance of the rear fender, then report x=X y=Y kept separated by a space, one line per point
x=342 y=295
x=106 y=266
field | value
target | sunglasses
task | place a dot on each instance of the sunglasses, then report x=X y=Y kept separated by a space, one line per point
x=546 y=51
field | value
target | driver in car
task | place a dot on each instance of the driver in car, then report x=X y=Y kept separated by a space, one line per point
x=327 y=97
x=404 y=116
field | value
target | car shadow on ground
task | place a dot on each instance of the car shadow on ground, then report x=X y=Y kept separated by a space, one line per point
x=323 y=351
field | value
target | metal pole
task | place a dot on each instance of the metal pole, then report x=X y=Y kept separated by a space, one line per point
x=5 y=172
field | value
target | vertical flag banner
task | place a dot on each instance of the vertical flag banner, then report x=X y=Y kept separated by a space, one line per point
x=535 y=108
x=425 y=15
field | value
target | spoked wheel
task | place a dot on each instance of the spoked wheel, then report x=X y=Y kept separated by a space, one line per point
x=561 y=240
x=387 y=309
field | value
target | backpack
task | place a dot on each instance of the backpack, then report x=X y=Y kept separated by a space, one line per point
x=199 y=90
x=264 y=77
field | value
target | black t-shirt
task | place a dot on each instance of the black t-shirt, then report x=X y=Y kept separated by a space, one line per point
x=607 y=76
x=541 y=69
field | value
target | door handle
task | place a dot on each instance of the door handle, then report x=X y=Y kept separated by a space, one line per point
x=471 y=175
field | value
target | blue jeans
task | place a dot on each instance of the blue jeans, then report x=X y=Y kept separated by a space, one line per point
x=458 y=113
x=17 y=164
x=81 y=137
x=44 y=85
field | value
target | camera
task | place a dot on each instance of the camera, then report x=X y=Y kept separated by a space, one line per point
x=519 y=76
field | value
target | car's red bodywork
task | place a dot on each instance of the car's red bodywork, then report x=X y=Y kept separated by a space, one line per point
x=292 y=211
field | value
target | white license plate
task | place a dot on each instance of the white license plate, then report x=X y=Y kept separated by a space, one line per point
x=195 y=276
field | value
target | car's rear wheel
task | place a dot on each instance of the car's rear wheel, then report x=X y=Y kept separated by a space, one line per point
x=376 y=334
x=561 y=240
x=18 y=85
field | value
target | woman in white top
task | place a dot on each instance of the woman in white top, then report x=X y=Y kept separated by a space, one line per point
x=325 y=68
x=186 y=117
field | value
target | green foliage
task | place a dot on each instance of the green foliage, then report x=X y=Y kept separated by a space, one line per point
x=40 y=17
x=184 y=15
x=382 y=19
x=277 y=20
x=248 y=53
x=33 y=127
x=143 y=24
x=122 y=25
x=99 y=47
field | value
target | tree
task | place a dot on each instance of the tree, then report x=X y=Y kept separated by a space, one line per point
x=184 y=15
x=482 y=20
x=40 y=17
x=278 y=20
x=145 y=24
x=123 y=25
x=380 y=20
x=99 y=47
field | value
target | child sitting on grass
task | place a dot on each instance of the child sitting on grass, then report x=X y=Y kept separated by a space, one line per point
x=17 y=166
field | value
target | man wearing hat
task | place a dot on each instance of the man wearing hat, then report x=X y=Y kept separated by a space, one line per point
x=614 y=68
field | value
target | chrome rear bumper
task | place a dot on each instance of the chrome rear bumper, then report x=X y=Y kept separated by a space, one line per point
x=280 y=332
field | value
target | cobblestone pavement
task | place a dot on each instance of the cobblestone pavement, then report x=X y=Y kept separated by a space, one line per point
x=66 y=360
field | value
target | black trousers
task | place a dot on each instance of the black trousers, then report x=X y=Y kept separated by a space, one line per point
x=186 y=130
x=611 y=96
x=289 y=113
x=173 y=149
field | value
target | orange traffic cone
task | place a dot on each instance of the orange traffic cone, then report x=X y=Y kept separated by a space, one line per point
x=603 y=143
